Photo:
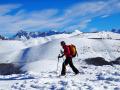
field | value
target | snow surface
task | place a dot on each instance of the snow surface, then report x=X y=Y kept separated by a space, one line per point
x=103 y=35
x=38 y=58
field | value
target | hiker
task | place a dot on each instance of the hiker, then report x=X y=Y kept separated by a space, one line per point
x=68 y=59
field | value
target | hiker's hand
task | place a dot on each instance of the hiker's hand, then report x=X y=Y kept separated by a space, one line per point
x=59 y=56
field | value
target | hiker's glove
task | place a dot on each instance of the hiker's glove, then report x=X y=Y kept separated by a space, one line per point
x=59 y=57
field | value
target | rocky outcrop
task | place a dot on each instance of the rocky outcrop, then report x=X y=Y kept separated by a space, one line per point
x=97 y=61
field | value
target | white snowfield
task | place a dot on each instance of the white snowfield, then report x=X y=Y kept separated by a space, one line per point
x=38 y=58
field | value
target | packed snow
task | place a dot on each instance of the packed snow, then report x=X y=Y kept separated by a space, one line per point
x=37 y=59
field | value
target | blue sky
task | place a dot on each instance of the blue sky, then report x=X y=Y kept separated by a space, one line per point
x=61 y=15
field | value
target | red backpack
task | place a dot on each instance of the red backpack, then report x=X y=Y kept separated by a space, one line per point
x=73 y=50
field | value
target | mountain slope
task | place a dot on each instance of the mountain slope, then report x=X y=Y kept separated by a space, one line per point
x=49 y=47
x=39 y=60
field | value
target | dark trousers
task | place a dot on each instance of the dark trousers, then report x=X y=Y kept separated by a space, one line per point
x=67 y=61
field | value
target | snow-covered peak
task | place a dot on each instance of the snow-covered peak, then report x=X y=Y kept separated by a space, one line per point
x=24 y=35
x=76 y=32
x=116 y=30
x=3 y=38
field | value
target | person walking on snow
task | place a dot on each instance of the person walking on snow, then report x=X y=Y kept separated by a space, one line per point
x=68 y=59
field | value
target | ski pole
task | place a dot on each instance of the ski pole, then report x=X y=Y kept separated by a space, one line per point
x=57 y=64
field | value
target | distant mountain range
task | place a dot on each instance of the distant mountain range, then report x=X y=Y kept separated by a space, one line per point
x=3 y=37
x=23 y=35
x=116 y=30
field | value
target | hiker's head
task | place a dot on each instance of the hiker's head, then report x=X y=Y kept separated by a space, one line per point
x=63 y=43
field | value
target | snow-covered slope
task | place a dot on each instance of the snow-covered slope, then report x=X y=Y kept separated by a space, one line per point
x=103 y=35
x=10 y=45
x=87 y=48
x=49 y=47
x=10 y=50
x=39 y=58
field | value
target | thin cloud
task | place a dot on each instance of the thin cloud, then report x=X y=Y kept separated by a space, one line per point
x=105 y=16
x=93 y=30
x=4 y=9
x=77 y=16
